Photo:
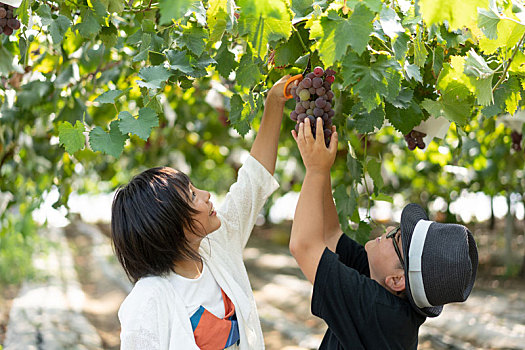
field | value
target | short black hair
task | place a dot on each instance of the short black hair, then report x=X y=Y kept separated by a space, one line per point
x=148 y=219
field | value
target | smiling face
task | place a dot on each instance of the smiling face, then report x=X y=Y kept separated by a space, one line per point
x=206 y=220
x=384 y=263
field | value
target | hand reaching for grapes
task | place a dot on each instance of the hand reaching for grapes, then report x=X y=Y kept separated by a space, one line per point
x=316 y=157
x=276 y=92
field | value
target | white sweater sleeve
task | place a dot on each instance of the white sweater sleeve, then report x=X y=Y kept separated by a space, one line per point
x=244 y=201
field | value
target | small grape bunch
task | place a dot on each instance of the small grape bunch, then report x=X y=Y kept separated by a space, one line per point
x=516 y=140
x=415 y=139
x=8 y=21
x=314 y=99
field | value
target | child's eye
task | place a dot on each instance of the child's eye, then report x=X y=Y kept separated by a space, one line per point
x=193 y=195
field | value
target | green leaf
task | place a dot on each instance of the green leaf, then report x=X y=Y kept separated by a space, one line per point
x=111 y=143
x=71 y=137
x=180 y=61
x=374 y=170
x=248 y=73
x=365 y=122
x=172 y=10
x=89 y=26
x=220 y=18
x=509 y=33
x=153 y=77
x=488 y=22
x=140 y=126
x=481 y=77
x=512 y=102
x=238 y=113
x=334 y=34
x=412 y=72
x=225 y=60
x=109 y=96
x=23 y=11
x=354 y=167
x=449 y=108
x=400 y=46
x=194 y=37
x=288 y=52
x=404 y=120
x=390 y=23
x=438 y=55
x=382 y=197
x=458 y=14
x=58 y=28
x=345 y=204
x=263 y=22
x=109 y=35
x=420 y=52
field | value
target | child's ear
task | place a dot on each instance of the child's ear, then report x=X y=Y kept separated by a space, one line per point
x=396 y=282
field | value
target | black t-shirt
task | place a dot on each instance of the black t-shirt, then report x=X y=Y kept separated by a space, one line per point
x=359 y=312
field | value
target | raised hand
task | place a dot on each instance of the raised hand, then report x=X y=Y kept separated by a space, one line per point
x=316 y=156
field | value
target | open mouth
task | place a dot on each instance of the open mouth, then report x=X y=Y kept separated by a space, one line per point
x=212 y=211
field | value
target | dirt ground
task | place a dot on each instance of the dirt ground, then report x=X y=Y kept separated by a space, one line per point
x=103 y=297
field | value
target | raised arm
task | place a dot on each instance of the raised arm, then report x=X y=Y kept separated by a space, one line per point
x=307 y=241
x=332 y=228
x=264 y=148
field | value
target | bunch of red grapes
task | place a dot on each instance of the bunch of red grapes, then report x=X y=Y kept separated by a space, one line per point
x=415 y=139
x=315 y=99
x=8 y=21
x=516 y=140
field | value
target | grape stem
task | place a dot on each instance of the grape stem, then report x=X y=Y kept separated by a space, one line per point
x=503 y=75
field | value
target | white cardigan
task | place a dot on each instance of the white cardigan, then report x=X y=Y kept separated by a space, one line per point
x=154 y=317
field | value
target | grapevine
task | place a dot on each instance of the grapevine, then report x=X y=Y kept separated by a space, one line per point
x=314 y=99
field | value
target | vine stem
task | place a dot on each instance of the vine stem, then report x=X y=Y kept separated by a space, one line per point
x=502 y=77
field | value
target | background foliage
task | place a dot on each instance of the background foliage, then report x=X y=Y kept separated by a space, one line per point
x=95 y=91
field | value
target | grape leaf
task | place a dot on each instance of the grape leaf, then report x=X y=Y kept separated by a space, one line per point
x=179 y=60
x=382 y=197
x=458 y=14
x=390 y=22
x=420 y=52
x=220 y=18
x=194 y=38
x=109 y=96
x=488 y=22
x=400 y=46
x=412 y=72
x=23 y=11
x=89 y=25
x=172 y=10
x=334 y=34
x=374 y=170
x=111 y=143
x=365 y=122
x=404 y=119
x=140 y=126
x=449 y=108
x=225 y=60
x=109 y=35
x=248 y=73
x=71 y=137
x=438 y=56
x=362 y=234
x=238 y=113
x=512 y=102
x=58 y=28
x=354 y=167
x=480 y=77
x=345 y=204
x=509 y=33
x=153 y=77
x=288 y=52
x=264 y=21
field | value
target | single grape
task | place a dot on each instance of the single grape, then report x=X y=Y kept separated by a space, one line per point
x=421 y=144
x=299 y=108
x=312 y=90
x=325 y=118
x=327 y=85
x=318 y=112
x=307 y=82
x=3 y=12
x=301 y=117
x=312 y=120
x=320 y=91
x=293 y=115
x=329 y=94
x=411 y=144
x=310 y=75
x=304 y=95
x=327 y=106
x=331 y=113
x=318 y=71
x=330 y=79
x=305 y=104
x=312 y=104
x=329 y=72
x=317 y=82
x=9 y=14
x=310 y=111
x=3 y=22
x=8 y=30
x=320 y=102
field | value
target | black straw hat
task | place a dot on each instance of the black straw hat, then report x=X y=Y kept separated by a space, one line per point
x=441 y=261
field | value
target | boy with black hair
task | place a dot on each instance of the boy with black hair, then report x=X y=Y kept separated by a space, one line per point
x=376 y=296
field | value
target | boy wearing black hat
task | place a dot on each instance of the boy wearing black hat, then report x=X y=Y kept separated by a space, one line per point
x=376 y=296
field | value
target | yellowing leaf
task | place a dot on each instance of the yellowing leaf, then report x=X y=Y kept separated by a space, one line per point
x=458 y=14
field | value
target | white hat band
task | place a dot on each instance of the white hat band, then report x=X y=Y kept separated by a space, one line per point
x=415 y=252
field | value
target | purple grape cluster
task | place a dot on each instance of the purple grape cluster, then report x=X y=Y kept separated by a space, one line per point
x=516 y=140
x=415 y=139
x=8 y=21
x=315 y=99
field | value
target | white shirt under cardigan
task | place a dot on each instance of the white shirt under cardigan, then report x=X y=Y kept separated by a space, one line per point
x=153 y=316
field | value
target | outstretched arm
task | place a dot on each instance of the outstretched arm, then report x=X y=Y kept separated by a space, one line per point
x=264 y=148
x=307 y=241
